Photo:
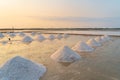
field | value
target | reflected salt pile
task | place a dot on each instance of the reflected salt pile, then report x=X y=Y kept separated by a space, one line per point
x=27 y=40
x=12 y=35
x=21 y=34
x=65 y=54
x=93 y=43
x=51 y=37
x=4 y=42
x=40 y=38
x=59 y=36
x=82 y=47
x=1 y=35
x=19 y=68
x=65 y=35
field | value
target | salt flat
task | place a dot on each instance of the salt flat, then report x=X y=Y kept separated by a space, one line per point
x=101 y=64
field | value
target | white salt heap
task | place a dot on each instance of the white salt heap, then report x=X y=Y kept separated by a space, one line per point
x=1 y=35
x=82 y=47
x=65 y=35
x=99 y=40
x=21 y=34
x=39 y=33
x=8 y=33
x=59 y=36
x=33 y=33
x=93 y=43
x=19 y=68
x=40 y=38
x=12 y=35
x=65 y=54
x=27 y=39
x=51 y=37
x=105 y=38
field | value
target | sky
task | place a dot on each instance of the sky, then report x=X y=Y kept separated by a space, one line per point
x=59 y=13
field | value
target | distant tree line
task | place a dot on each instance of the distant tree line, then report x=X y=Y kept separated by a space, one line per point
x=104 y=29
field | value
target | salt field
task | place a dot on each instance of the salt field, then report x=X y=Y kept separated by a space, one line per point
x=102 y=63
x=60 y=40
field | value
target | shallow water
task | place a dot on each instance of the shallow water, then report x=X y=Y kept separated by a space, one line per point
x=102 y=64
x=87 y=32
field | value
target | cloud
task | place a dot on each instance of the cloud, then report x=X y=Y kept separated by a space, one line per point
x=78 y=19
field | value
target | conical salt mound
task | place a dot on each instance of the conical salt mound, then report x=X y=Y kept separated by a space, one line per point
x=33 y=33
x=82 y=47
x=51 y=37
x=65 y=54
x=27 y=39
x=39 y=33
x=105 y=38
x=19 y=68
x=93 y=43
x=99 y=39
x=12 y=35
x=21 y=34
x=65 y=35
x=59 y=36
x=8 y=33
x=40 y=38
x=1 y=35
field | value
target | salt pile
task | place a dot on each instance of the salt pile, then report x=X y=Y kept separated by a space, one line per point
x=82 y=47
x=99 y=39
x=65 y=36
x=8 y=33
x=12 y=34
x=21 y=34
x=51 y=37
x=19 y=68
x=33 y=34
x=40 y=38
x=59 y=36
x=1 y=35
x=105 y=38
x=27 y=39
x=39 y=33
x=93 y=43
x=65 y=54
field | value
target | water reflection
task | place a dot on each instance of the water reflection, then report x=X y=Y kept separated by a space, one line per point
x=4 y=42
x=66 y=64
